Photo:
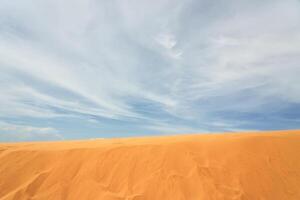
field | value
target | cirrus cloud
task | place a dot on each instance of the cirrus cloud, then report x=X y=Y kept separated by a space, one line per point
x=150 y=66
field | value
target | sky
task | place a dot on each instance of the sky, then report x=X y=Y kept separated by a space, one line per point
x=83 y=69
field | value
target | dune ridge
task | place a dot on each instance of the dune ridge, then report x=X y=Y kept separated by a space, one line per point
x=245 y=166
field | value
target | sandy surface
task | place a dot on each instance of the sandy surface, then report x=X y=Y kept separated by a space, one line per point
x=248 y=166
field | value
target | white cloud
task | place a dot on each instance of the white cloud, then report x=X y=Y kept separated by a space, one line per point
x=167 y=128
x=189 y=65
x=16 y=132
x=168 y=41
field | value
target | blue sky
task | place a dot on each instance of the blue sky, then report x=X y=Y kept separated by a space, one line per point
x=77 y=69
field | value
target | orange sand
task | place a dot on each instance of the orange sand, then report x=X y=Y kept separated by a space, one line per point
x=248 y=166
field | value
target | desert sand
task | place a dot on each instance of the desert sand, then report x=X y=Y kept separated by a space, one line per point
x=237 y=166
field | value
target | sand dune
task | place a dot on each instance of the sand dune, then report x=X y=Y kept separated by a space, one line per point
x=248 y=166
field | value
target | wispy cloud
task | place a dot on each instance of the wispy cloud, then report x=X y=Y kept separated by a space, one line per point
x=17 y=132
x=194 y=63
x=168 y=41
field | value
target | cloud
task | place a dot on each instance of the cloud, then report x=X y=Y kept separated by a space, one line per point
x=17 y=132
x=191 y=63
x=166 y=128
x=168 y=41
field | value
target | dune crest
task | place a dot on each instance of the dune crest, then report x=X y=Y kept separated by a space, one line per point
x=246 y=166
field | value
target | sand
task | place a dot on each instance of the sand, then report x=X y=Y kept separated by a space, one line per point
x=246 y=166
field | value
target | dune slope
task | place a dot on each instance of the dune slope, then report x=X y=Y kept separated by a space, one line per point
x=247 y=166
